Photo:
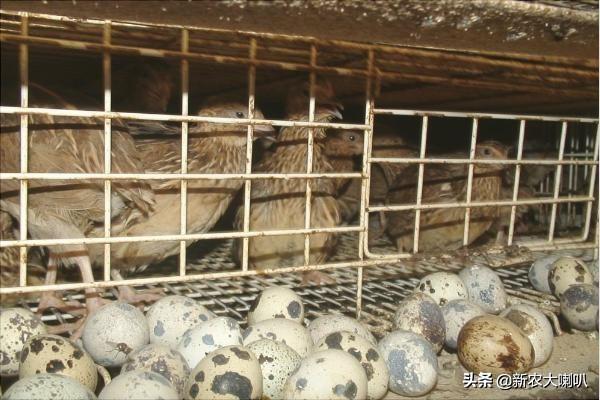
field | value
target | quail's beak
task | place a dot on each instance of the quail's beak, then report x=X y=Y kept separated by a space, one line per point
x=265 y=132
x=332 y=108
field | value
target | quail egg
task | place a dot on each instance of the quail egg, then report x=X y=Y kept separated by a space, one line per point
x=536 y=327
x=593 y=267
x=456 y=314
x=16 y=326
x=327 y=374
x=567 y=271
x=276 y=302
x=366 y=353
x=539 y=271
x=490 y=343
x=136 y=385
x=420 y=314
x=485 y=288
x=411 y=361
x=48 y=387
x=209 y=336
x=326 y=324
x=114 y=331
x=281 y=330
x=277 y=362
x=442 y=287
x=56 y=355
x=170 y=317
x=579 y=306
x=231 y=372
x=161 y=359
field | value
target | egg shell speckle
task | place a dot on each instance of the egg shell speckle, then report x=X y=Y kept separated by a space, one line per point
x=327 y=374
x=281 y=330
x=16 y=326
x=276 y=302
x=170 y=317
x=567 y=271
x=535 y=326
x=136 y=385
x=48 y=387
x=411 y=361
x=456 y=314
x=326 y=324
x=485 y=288
x=490 y=343
x=231 y=372
x=211 y=335
x=539 y=272
x=442 y=287
x=277 y=362
x=420 y=314
x=162 y=360
x=579 y=306
x=54 y=354
x=367 y=355
x=114 y=331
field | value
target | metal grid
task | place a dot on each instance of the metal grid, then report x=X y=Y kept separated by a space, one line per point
x=294 y=49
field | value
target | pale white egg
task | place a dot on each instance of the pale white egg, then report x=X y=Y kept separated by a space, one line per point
x=329 y=323
x=277 y=362
x=281 y=330
x=539 y=272
x=420 y=314
x=456 y=314
x=16 y=326
x=485 y=288
x=276 y=302
x=137 y=385
x=567 y=271
x=48 y=387
x=442 y=287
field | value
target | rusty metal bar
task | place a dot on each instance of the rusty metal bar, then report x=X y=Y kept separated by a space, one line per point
x=185 y=87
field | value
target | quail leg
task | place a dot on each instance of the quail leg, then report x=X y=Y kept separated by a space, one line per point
x=51 y=299
x=317 y=278
x=130 y=295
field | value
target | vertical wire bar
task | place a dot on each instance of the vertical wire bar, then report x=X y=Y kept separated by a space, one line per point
x=470 y=180
x=309 y=156
x=107 y=79
x=420 y=183
x=515 y=196
x=366 y=180
x=185 y=87
x=24 y=144
x=591 y=191
x=557 y=180
x=249 y=143
x=571 y=177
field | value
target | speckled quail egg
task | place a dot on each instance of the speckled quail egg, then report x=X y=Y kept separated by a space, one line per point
x=48 y=387
x=161 y=359
x=281 y=330
x=456 y=314
x=536 y=327
x=420 y=314
x=114 y=331
x=327 y=374
x=411 y=361
x=539 y=271
x=579 y=306
x=277 y=362
x=276 y=302
x=136 y=385
x=326 y=324
x=593 y=267
x=231 y=372
x=567 y=271
x=213 y=334
x=367 y=355
x=485 y=288
x=16 y=326
x=442 y=287
x=56 y=355
x=490 y=343
x=170 y=317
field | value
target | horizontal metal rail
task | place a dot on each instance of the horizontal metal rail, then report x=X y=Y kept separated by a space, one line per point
x=529 y=161
x=169 y=176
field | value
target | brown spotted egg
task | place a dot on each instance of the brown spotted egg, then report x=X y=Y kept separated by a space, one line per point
x=276 y=302
x=231 y=372
x=281 y=330
x=160 y=359
x=367 y=355
x=170 y=317
x=329 y=323
x=567 y=271
x=48 y=387
x=494 y=344
x=277 y=362
x=420 y=314
x=579 y=306
x=16 y=326
x=137 y=385
x=327 y=374
x=442 y=287
x=484 y=288
x=56 y=355
x=211 y=335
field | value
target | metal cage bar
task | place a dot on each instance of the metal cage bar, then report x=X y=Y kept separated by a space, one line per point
x=557 y=181
x=470 y=181
x=185 y=88
x=107 y=81
x=24 y=148
x=310 y=152
x=517 y=178
x=422 y=150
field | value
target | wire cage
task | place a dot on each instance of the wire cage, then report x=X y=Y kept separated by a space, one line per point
x=370 y=273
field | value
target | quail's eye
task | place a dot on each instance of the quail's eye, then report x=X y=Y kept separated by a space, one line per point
x=239 y=114
x=487 y=152
x=352 y=138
